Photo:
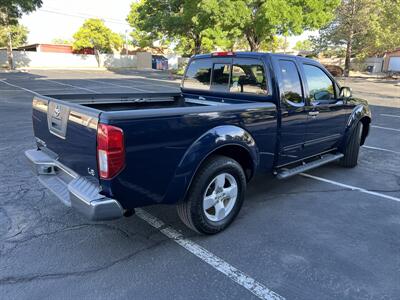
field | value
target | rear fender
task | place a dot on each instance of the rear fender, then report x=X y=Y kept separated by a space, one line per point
x=202 y=148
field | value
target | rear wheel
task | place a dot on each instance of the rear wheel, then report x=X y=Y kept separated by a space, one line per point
x=215 y=196
x=350 y=158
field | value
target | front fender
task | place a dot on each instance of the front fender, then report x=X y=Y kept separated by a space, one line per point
x=205 y=145
x=360 y=111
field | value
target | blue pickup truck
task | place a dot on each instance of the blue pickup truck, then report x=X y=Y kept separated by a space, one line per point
x=237 y=114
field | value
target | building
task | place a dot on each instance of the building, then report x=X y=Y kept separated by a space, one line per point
x=391 y=61
x=54 y=48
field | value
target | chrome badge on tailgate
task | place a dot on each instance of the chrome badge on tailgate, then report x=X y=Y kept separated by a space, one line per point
x=57 y=119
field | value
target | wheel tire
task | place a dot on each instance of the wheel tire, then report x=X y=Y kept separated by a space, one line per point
x=350 y=158
x=191 y=211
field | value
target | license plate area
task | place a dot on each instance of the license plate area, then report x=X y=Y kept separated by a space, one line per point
x=57 y=119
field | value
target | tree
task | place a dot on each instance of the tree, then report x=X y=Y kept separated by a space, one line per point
x=305 y=45
x=10 y=11
x=61 y=41
x=95 y=34
x=383 y=33
x=190 y=23
x=260 y=20
x=350 y=27
x=18 y=34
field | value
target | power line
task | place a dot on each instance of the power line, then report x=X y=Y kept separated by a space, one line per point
x=82 y=16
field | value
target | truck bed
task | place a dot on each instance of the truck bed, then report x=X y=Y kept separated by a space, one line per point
x=158 y=128
x=133 y=101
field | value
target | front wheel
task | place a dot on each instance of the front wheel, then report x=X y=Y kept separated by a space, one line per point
x=350 y=158
x=215 y=196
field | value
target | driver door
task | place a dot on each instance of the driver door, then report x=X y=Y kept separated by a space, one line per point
x=326 y=111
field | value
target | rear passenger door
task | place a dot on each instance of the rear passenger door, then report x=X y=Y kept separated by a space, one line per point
x=326 y=111
x=293 y=111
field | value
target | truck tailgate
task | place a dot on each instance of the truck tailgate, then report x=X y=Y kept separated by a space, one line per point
x=68 y=132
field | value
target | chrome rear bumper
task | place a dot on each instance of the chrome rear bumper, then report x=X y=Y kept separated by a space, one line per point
x=73 y=190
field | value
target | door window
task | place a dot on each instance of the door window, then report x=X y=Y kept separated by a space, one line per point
x=198 y=75
x=220 y=77
x=320 y=86
x=291 y=84
x=248 y=76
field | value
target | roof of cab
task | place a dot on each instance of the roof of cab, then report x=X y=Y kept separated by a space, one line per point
x=236 y=54
x=254 y=54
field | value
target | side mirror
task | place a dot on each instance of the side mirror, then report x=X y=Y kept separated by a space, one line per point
x=346 y=92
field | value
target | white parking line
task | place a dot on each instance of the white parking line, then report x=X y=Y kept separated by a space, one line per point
x=353 y=188
x=381 y=149
x=216 y=262
x=70 y=85
x=387 y=115
x=21 y=88
x=386 y=128
x=118 y=85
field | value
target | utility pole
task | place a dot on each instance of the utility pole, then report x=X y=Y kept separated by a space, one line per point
x=126 y=41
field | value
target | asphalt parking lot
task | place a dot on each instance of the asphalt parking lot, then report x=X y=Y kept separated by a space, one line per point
x=334 y=234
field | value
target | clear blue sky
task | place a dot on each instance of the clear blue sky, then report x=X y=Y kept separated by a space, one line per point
x=62 y=18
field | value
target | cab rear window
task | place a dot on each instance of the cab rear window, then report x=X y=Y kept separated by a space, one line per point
x=242 y=76
x=198 y=75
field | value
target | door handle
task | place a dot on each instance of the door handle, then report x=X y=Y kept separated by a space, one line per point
x=201 y=98
x=313 y=113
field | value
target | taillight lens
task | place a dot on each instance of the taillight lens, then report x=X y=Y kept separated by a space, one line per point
x=110 y=150
x=225 y=53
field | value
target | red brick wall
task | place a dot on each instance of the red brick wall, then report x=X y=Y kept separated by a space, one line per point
x=55 y=48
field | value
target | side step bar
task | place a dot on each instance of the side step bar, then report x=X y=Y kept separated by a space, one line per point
x=327 y=158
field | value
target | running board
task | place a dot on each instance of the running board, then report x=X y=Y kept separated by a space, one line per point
x=327 y=158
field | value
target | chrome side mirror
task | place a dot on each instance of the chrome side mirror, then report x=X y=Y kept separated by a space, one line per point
x=345 y=92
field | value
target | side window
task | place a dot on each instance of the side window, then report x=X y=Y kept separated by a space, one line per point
x=198 y=75
x=291 y=84
x=248 y=76
x=320 y=86
x=220 y=77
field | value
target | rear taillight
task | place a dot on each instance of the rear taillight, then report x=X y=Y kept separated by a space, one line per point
x=110 y=150
x=225 y=53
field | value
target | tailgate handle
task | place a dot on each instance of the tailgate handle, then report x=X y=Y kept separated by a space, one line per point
x=57 y=119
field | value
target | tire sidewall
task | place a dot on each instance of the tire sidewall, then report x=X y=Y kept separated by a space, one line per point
x=212 y=170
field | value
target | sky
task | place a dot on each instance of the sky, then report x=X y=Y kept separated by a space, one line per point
x=62 y=18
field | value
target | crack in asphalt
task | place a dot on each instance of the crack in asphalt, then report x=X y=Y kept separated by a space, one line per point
x=32 y=277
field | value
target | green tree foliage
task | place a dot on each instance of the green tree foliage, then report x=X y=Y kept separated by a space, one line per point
x=363 y=28
x=61 y=41
x=187 y=22
x=18 y=33
x=10 y=11
x=383 y=34
x=349 y=28
x=277 y=43
x=95 y=34
x=198 y=24
x=261 y=20
x=305 y=45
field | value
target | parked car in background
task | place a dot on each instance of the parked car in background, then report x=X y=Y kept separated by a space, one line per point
x=159 y=62
x=336 y=71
